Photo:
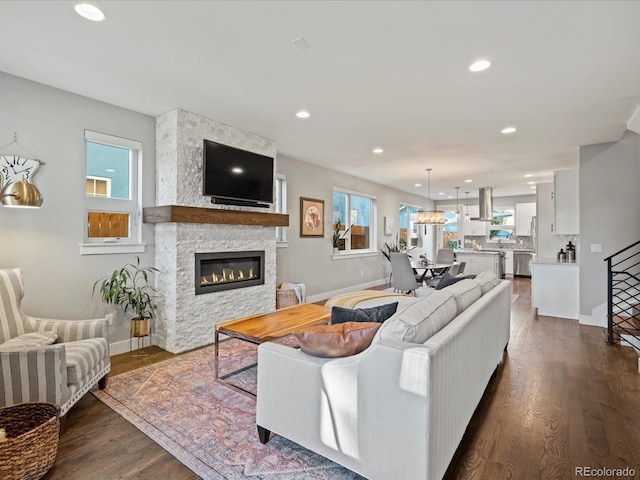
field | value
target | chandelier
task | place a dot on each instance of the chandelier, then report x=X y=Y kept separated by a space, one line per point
x=429 y=217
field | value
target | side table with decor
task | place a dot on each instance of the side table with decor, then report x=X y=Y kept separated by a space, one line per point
x=29 y=435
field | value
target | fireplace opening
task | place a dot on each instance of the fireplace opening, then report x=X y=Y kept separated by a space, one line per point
x=218 y=271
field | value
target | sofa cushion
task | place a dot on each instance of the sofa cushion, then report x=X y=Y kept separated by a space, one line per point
x=28 y=341
x=418 y=321
x=373 y=314
x=83 y=356
x=339 y=340
x=487 y=280
x=464 y=292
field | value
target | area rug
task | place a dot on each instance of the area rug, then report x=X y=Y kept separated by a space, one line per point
x=210 y=427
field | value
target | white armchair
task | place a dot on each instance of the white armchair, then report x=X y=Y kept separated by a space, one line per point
x=46 y=360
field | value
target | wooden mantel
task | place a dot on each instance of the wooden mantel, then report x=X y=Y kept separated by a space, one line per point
x=182 y=214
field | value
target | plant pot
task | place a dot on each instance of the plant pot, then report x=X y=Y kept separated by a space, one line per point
x=140 y=326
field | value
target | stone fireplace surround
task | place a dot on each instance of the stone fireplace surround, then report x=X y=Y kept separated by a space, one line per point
x=185 y=321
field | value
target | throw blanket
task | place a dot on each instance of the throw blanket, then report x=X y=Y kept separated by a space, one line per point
x=298 y=288
x=350 y=300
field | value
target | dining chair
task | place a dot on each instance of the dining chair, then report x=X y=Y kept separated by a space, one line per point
x=403 y=278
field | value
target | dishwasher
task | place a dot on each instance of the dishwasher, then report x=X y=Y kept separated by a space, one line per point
x=522 y=263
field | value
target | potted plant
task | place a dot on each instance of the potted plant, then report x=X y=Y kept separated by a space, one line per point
x=129 y=287
x=338 y=234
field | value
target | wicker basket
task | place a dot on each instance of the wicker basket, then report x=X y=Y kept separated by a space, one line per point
x=286 y=297
x=32 y=431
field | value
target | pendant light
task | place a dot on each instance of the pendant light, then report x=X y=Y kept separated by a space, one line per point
x=467 y=217
x=457 y=206
x=429 y=217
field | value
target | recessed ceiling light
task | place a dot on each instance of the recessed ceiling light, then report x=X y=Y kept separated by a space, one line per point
x=109 y=170
x=450 y=196
x=508 y=130
x=528 y=175
x=378 y=150
x=303 y=114
x=237 y=170
x=533 y=188
x=468 y=181
x=531 y=183
x=440 y=193
x=90 y=12
x=479 y=66
x=417 y=184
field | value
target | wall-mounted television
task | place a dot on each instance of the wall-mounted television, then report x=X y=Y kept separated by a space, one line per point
x=233 y=176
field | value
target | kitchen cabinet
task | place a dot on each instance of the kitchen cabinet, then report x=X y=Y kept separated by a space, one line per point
x=524 y=213
x=566 y=202
x=479 y=261
x=554 y=288
x=475 y=227
x=508 y=263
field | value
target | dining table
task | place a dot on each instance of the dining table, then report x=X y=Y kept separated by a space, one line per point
x=436 y=269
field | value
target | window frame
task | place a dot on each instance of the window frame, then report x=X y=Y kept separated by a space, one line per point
x=131 y=206
x=281 y=207
x=372 y=250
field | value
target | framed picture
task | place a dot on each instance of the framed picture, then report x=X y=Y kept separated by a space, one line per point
x=311 y=217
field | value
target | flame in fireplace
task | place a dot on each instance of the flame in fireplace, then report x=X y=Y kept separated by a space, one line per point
x=228 y=275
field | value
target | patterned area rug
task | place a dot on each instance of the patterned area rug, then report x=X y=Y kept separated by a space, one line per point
x=207 y=426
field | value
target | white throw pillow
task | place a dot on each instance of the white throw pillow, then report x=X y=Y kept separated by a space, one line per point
x=465 y=292
x=28 y=341
x=420 y=320
x=487 y=280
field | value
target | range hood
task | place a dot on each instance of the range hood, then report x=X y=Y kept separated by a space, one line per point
x=486 y=204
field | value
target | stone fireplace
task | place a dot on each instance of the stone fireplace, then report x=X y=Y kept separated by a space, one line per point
x=188 y=226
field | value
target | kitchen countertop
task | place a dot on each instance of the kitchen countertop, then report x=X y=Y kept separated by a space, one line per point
x=481 y=252
x=553 y=261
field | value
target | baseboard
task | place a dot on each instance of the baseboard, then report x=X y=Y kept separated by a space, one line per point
x=123 y=346
x=592 y=321
x=354 y=288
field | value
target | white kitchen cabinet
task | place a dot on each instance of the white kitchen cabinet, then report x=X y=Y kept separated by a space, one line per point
x=479 y=261
x=508 y=262
x=554 y=288
x=566 y=200
x=475 y=227
x=524 y=213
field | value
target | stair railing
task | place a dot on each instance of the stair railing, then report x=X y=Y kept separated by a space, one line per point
x=623 y=295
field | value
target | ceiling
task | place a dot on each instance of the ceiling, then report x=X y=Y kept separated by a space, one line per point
x=389 y=74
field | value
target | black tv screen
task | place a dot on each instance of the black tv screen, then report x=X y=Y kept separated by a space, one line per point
x=233 y=174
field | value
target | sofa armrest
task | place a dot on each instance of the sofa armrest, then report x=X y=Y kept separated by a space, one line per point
x=38 y=375
x=70 y=330
x=339 y=407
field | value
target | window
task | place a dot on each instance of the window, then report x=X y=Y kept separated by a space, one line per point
x=408 y=231
x=281 y=204
x=112 y=202
x=451 y=228
x=503 y=223
x=357 y=211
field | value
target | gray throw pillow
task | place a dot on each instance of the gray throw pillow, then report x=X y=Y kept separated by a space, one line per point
x=373 y=314
x=447 y=280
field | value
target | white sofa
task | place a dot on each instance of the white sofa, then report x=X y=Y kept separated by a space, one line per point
x=399 y=409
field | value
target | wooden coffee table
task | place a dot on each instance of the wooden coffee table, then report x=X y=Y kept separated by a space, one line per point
x=262 y=328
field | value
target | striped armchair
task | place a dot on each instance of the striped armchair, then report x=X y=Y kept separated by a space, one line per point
x=45 y=360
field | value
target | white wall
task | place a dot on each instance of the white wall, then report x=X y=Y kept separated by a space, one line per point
x=50 y=123
x=309 y=260
x=609 y=214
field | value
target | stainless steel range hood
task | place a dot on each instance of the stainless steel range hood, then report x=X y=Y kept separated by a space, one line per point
x=486 y=204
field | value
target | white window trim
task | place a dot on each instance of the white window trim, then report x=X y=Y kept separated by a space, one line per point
x=364 y=252
x=281 y=241
x=134 y=243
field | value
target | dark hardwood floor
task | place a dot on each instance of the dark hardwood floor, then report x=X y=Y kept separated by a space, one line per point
x=562 y=399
